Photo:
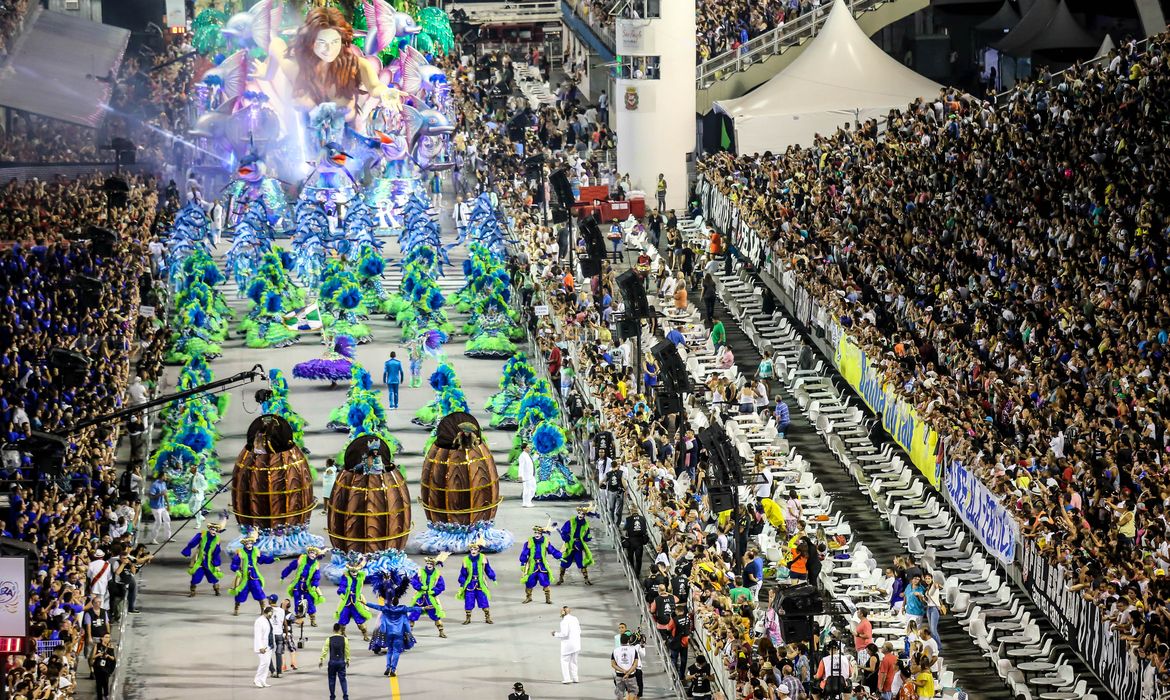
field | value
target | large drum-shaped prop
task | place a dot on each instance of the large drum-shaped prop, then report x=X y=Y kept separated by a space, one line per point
x=273 y=488
x=459 y=481
x=368 y=513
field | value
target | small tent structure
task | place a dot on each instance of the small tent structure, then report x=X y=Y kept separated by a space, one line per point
x=839 y=77
x=1004 y=19
x=1107 y=45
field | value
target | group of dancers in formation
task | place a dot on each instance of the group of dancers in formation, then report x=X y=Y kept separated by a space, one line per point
x=394 y=632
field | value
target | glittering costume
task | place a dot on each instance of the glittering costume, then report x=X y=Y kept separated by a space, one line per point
x=249 y=581
x=306 y=582
x=429 y=584
x=205 y=558
x=395 y=625
x=416 y=355
x=534 y=562
x=473 y=584
x=575 y=532
x=352 y=606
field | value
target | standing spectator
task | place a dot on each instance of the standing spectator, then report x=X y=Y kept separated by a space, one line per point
x=328 y=478
x=624 y=662
x=159 y=509
x=698 y=679
x=680 y=637
x=570 y=636
x=934 y=607
x=278 y=624
x=527 y=473
x=709 y=298
x=634 y=539
x=103 y=663
x=99 y=572
x=614 y=485
x=862 y=635
x=916 y=601
x=518 y=692
x=783 y=416
x=660 y=188
x=834 y=672
x=603 y=108
x=96 y=624
x=392 y=375
x=887 y=672
x=263 y=640
x=336 y=650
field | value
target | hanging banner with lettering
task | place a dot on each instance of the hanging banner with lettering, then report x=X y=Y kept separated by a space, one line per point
x=995 y=526
x=899 y=417
x=1079 y=621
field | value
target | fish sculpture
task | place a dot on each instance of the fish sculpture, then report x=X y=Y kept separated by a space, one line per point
x=385 y=25
x=428 y=142
x=257 y=26
x=231 y=75
x=420 y=78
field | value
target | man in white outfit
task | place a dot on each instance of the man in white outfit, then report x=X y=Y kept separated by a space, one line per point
x=570 y=636
x=263 y=639
x=527 y=475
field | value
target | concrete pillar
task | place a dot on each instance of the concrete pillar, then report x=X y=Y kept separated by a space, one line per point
x=655 y=119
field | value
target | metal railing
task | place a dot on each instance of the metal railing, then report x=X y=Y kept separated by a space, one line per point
x=772 y=43
x=1002 y=97
x=594 y=19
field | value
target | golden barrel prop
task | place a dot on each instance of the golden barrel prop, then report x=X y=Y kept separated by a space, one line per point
x=460 y=485
x=272 y=486
x=368 y=512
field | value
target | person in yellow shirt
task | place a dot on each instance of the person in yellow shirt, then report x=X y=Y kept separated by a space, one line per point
x=925 y=682
x=773 y=513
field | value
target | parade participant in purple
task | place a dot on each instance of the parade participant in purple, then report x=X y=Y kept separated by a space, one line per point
x=429 y=584
x=473 y=583
x=395 y=626
x=575 y=533
x=205 y=558
x=352 y=606
x=249 y=581
x=534 y=561
x=305 y=587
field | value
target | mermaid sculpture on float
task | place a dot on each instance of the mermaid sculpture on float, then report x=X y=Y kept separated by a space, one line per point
x=323 y=65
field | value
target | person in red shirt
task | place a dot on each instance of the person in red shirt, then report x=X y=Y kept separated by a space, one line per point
x=863 y=635
x=554 y=363
x=887 y=671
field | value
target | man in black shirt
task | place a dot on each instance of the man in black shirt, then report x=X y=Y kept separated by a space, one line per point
x=518 y=692
x=698 y=679
x=103 y=664
x=615 y=484
x=634 y=538
x=337 y=650
x=603 y=440
x=681 y=637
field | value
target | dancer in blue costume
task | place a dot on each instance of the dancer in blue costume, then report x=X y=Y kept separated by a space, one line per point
x=429 y=584
x=395 y=625
x=534 y=562
x=575 y=533
x=249 y=581
x=352 y=605
x=306 y=583
x=389 y=587
x=205 y=558
x=473 y=583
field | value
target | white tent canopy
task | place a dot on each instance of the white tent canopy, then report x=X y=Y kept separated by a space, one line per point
x=839 y=77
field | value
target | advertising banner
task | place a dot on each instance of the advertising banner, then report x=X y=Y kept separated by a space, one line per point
x=899 y=418
x=995 y=526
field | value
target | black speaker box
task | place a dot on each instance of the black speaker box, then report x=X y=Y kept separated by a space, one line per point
x=594 y=242
x=561 y=187
x=629 y=328
x=101 y=240
x=634 y=293
x=73 y=366
x=590 y=267
x=671 y=368
x=560 y=215
x=667 y=402
x=800 y=600
x=722 y=498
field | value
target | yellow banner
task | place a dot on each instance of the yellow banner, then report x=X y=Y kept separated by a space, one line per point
x=898 y=417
